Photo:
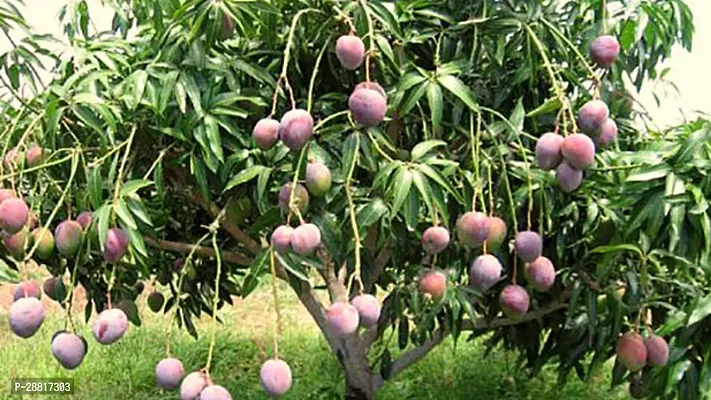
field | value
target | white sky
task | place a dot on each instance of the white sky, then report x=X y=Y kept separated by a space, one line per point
x=689 y=71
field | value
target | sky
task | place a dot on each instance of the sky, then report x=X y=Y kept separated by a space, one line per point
x=688 y=71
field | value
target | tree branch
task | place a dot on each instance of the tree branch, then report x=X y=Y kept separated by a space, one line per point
x=336 y=288
x=413 y=355
x=190 y=193
x=186 y=248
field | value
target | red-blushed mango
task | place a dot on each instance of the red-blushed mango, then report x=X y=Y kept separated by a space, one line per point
x=17 y=243
x=301 y=197
x=14 y=158
x=368 y=106
x=540 y=273
x=318 y=178
x=281 y=238
x=68 y=349
x=497 y=234
x=275 y=377
x=14 y=214
x=296 y=128
x=110 y=326
x=54 y=288
x=26 y=316
x=169 y=373
x=433 y=283
x=192 y=385
x=343 y=318
x=548 y=151
x=155 y=301
x=473 y=228
x=591 y=116
x=368 y=309
x=631 y=351
x=266 y=133
x=528 y=245
x=514 y=301
x=435 y=239
x=6 y=194
x=605 y=50
x=350 y=51
x=608 y=133
x=579 y=150
x=44 y=240
x=373 y=86
x=67 y=237
x=215 y=392
x=115 y=245
x=35 y=156
x=485 y=272
x=569 y=178
x=657 y=350
x=26 y=289
x=84 y=219
x=306 y=238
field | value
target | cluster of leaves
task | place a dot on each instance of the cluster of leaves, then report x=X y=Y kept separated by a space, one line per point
x=467 y=100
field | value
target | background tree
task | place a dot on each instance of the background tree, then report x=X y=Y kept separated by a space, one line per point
x=150 y=127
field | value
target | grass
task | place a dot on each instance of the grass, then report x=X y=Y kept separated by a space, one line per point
x=125 y=370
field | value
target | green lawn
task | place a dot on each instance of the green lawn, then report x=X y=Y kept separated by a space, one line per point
x=125 y=370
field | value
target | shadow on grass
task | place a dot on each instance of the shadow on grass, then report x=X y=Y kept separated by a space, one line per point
x=125 y=370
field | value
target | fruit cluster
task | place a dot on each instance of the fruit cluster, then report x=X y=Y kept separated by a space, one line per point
x=572 y=154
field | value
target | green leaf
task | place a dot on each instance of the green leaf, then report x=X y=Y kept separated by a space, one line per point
x=413 y=98
x=409 y=80
x=649 y=173
x=459 y=89
x=518 y=115
x=135 y=204
x=425 y=147
x=180 y=97
x=213 y=137
x=350 y=152
x=294 y=267
x=616 y=248
x=136 y=240
x=434 y=97
x=103 y=217
x=370 y=213
x=701 y=311
x=193 y=92
x=262 y=183
x=401 y=187
x=94 y=185
x=131 y=187
x=125 y=215
x=139 y=80
x=245 y=175
x=423 y=186
x=549 y=106
x=440 y=180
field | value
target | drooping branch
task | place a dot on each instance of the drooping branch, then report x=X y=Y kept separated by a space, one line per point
x=419 y=352
x=412 y=356
x=186 y=248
